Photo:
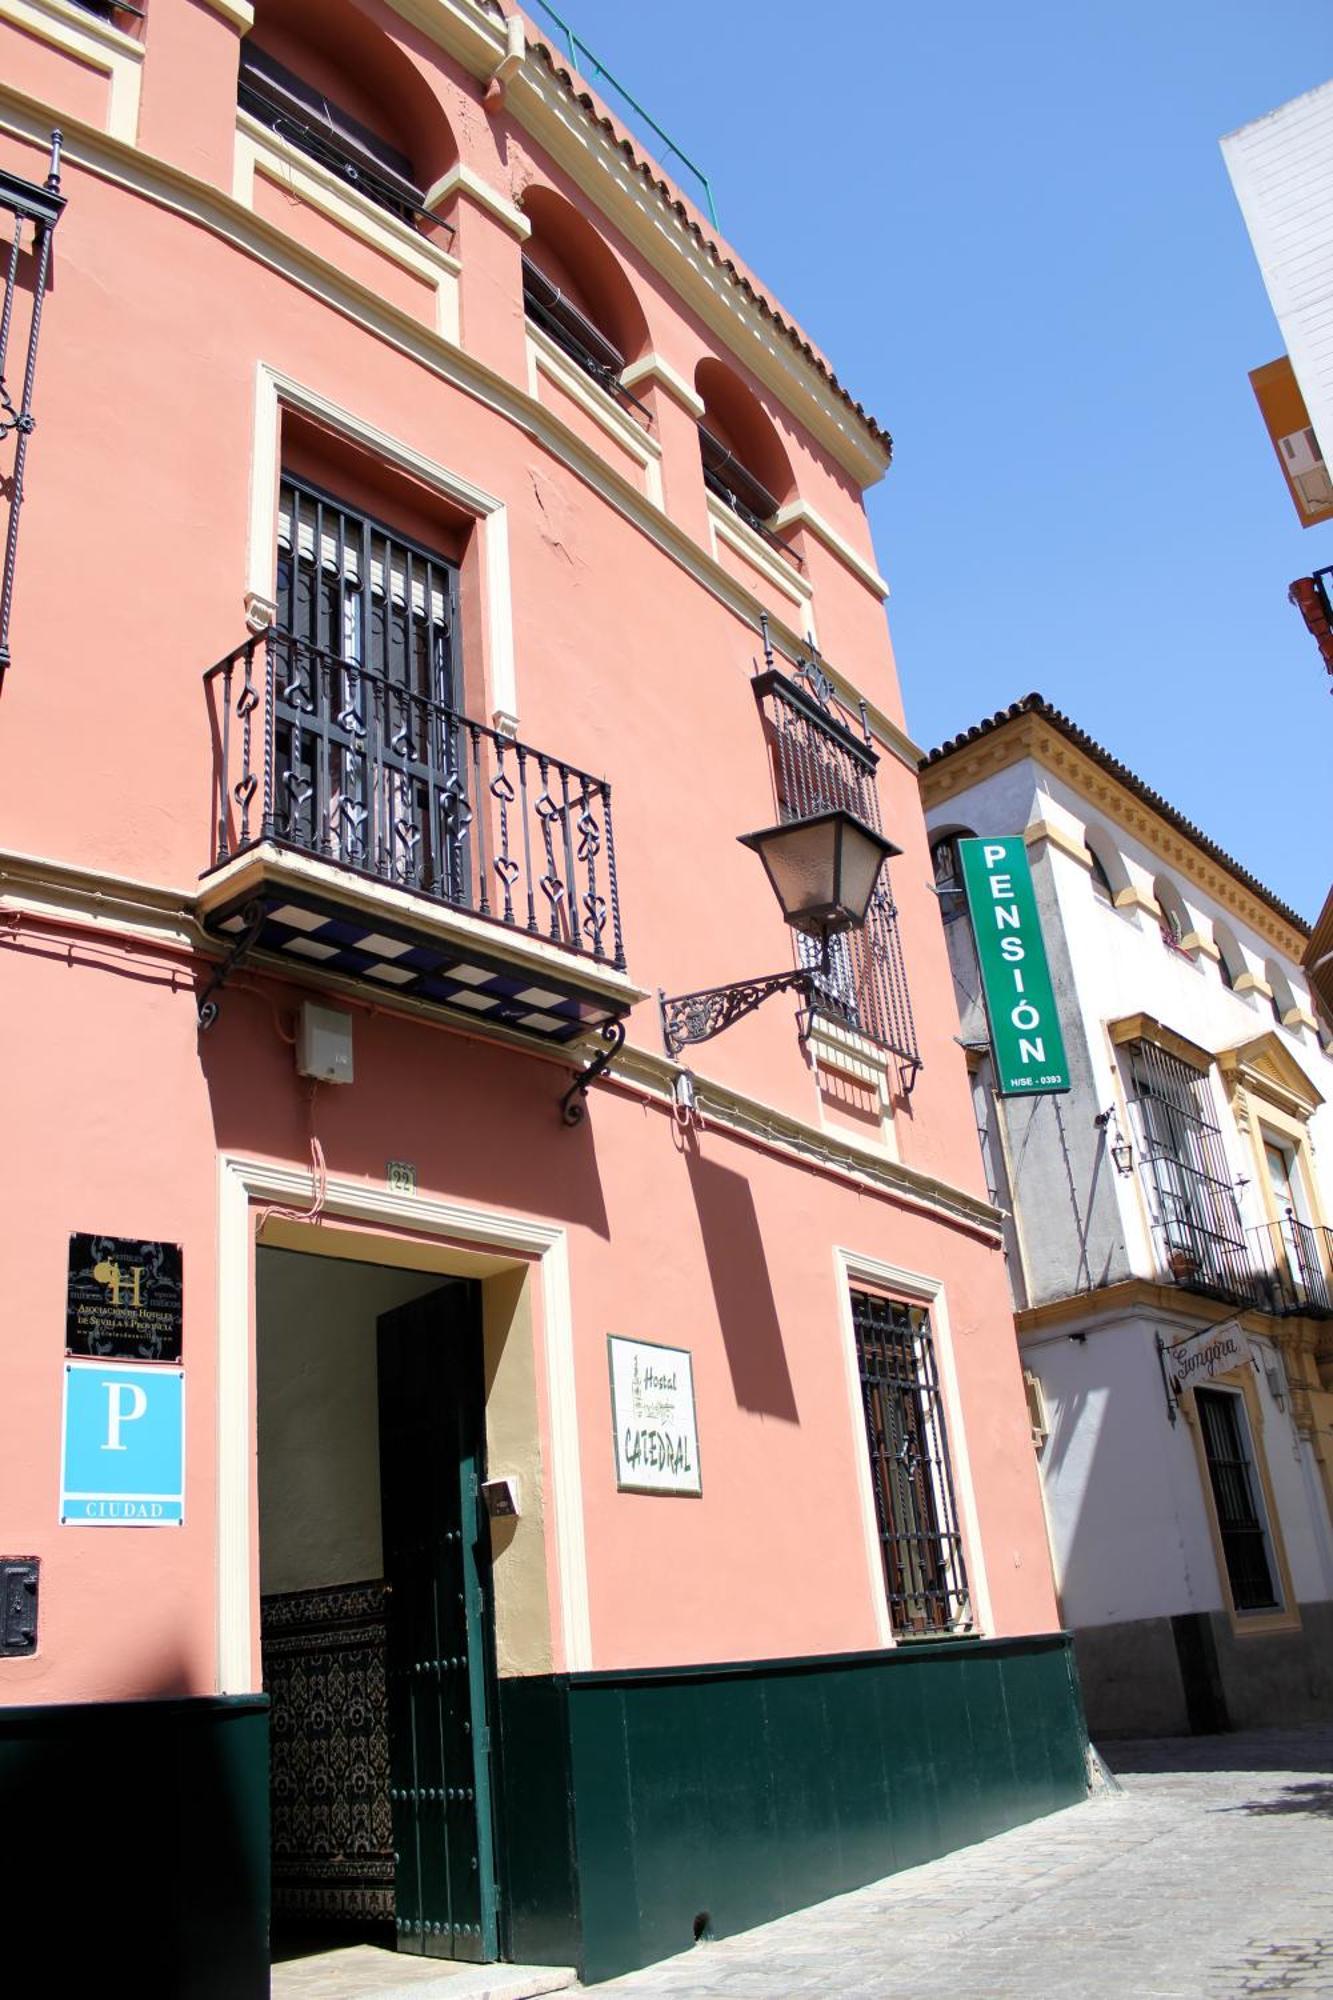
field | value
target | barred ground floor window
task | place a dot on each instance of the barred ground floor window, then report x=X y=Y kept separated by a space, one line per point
x=925 y=1577
x=1240 y=1522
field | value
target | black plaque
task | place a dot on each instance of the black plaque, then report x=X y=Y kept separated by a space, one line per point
x=124 y=1299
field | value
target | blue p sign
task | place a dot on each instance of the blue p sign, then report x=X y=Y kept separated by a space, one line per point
x=124 y=1446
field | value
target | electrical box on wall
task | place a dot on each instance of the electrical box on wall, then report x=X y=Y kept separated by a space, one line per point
x=501 y=1498
x=324 y=1043
x=18 y=1606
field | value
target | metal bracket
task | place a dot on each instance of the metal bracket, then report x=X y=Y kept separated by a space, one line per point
x=574 y=1105
x=252 y=916
x=1172 y=1406
x=697 y=1017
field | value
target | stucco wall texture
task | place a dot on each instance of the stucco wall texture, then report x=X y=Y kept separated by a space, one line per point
x=175 y=300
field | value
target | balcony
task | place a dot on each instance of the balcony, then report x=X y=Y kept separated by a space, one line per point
x=369 y=833
x=1285 y=1267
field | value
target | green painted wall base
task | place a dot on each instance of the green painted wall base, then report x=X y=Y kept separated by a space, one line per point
x=635 y=1804
x=135 y=1849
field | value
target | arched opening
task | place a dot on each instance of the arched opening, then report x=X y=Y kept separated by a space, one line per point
x=1231 y=959
x=1173 y=917
x=1109 y=874
x=947 y=866
x=324 y=78
x=1284 y=1000
x=744 y=460
x=575 y=291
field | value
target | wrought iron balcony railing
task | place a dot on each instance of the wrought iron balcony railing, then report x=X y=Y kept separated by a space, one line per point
x=1281 y=1267
x=318 y=754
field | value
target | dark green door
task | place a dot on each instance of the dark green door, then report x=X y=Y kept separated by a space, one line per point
x=437 y=1567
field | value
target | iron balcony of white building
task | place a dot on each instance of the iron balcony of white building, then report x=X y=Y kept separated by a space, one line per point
x=1284 y=1267
x=365 y=832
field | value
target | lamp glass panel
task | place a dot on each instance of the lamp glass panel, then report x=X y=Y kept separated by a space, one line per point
x=801 y=860
x=861 y=855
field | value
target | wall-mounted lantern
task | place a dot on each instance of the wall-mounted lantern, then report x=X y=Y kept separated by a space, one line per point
x=823 y=870
x=1122 y=1149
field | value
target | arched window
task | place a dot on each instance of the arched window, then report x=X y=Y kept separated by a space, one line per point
x=575 y=291
x=1284 y=1000
x=744 y=460
x=1109 y=874
x=1173 y=916
x=1231 y=959
x=948 y=868
x=344 y=94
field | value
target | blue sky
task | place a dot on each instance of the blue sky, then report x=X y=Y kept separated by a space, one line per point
x=1012 y=230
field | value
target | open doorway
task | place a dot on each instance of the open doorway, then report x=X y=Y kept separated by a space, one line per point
x=375 y=1607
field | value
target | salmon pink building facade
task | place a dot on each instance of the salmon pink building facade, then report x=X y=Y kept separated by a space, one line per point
x=490 y=1464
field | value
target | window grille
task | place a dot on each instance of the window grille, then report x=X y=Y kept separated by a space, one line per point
x=1184 y=1168
x=737 y=487
x=367 y=734
x=1239 y=1522
x=299 y=113
x=924 y=1574
x=822 y=763
x=38 y=209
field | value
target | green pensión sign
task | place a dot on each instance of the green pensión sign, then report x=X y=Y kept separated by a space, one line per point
x=1025 y=1033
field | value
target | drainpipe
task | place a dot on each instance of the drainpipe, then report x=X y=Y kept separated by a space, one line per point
x=515 y=49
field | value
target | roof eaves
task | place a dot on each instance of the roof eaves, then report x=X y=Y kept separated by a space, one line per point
x=685 y=213
x=1037 y=704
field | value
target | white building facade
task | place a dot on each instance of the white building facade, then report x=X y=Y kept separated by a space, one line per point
x=1281 y=167
x=1180 y=1188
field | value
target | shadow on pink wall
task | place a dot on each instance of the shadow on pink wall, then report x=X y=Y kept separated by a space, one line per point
x=738 y=1269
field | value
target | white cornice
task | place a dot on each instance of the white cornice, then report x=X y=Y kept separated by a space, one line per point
x=798 y=513
x=652 y=368
x=468 y=184
x=203 y=204
x=239 y=12
x=752 y=1118
x=148 y=912
x=628 y=200
x=536 y=97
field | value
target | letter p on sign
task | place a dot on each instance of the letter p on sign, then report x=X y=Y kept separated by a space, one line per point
x=125 y=1404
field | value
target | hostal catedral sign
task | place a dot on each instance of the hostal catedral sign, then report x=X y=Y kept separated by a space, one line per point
x=652 y=1410
x=1025 y=1033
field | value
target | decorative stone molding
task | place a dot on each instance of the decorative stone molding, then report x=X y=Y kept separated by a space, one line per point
x=652 y=369
x=1144 y=1028
x=1032 y=736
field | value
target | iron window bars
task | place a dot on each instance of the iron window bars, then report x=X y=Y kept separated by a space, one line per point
x=925 y=1576
x=40 y=206
x=575 y=335
x=296 y=111
x=824 y=762
x=1239 y=1523
x=1184 y=1166
x=1279 y=1267
x=738 y=489
x=338 y=735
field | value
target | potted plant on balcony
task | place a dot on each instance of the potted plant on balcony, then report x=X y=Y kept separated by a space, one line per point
x=1182 y=1264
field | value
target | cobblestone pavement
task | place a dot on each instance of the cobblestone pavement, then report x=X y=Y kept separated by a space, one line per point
x=1209 y=1876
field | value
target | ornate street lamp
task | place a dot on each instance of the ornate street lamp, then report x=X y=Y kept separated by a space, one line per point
x=823 y=871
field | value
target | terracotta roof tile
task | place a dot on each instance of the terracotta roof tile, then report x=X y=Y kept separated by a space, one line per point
x=693 y=220
x=1037 y=704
